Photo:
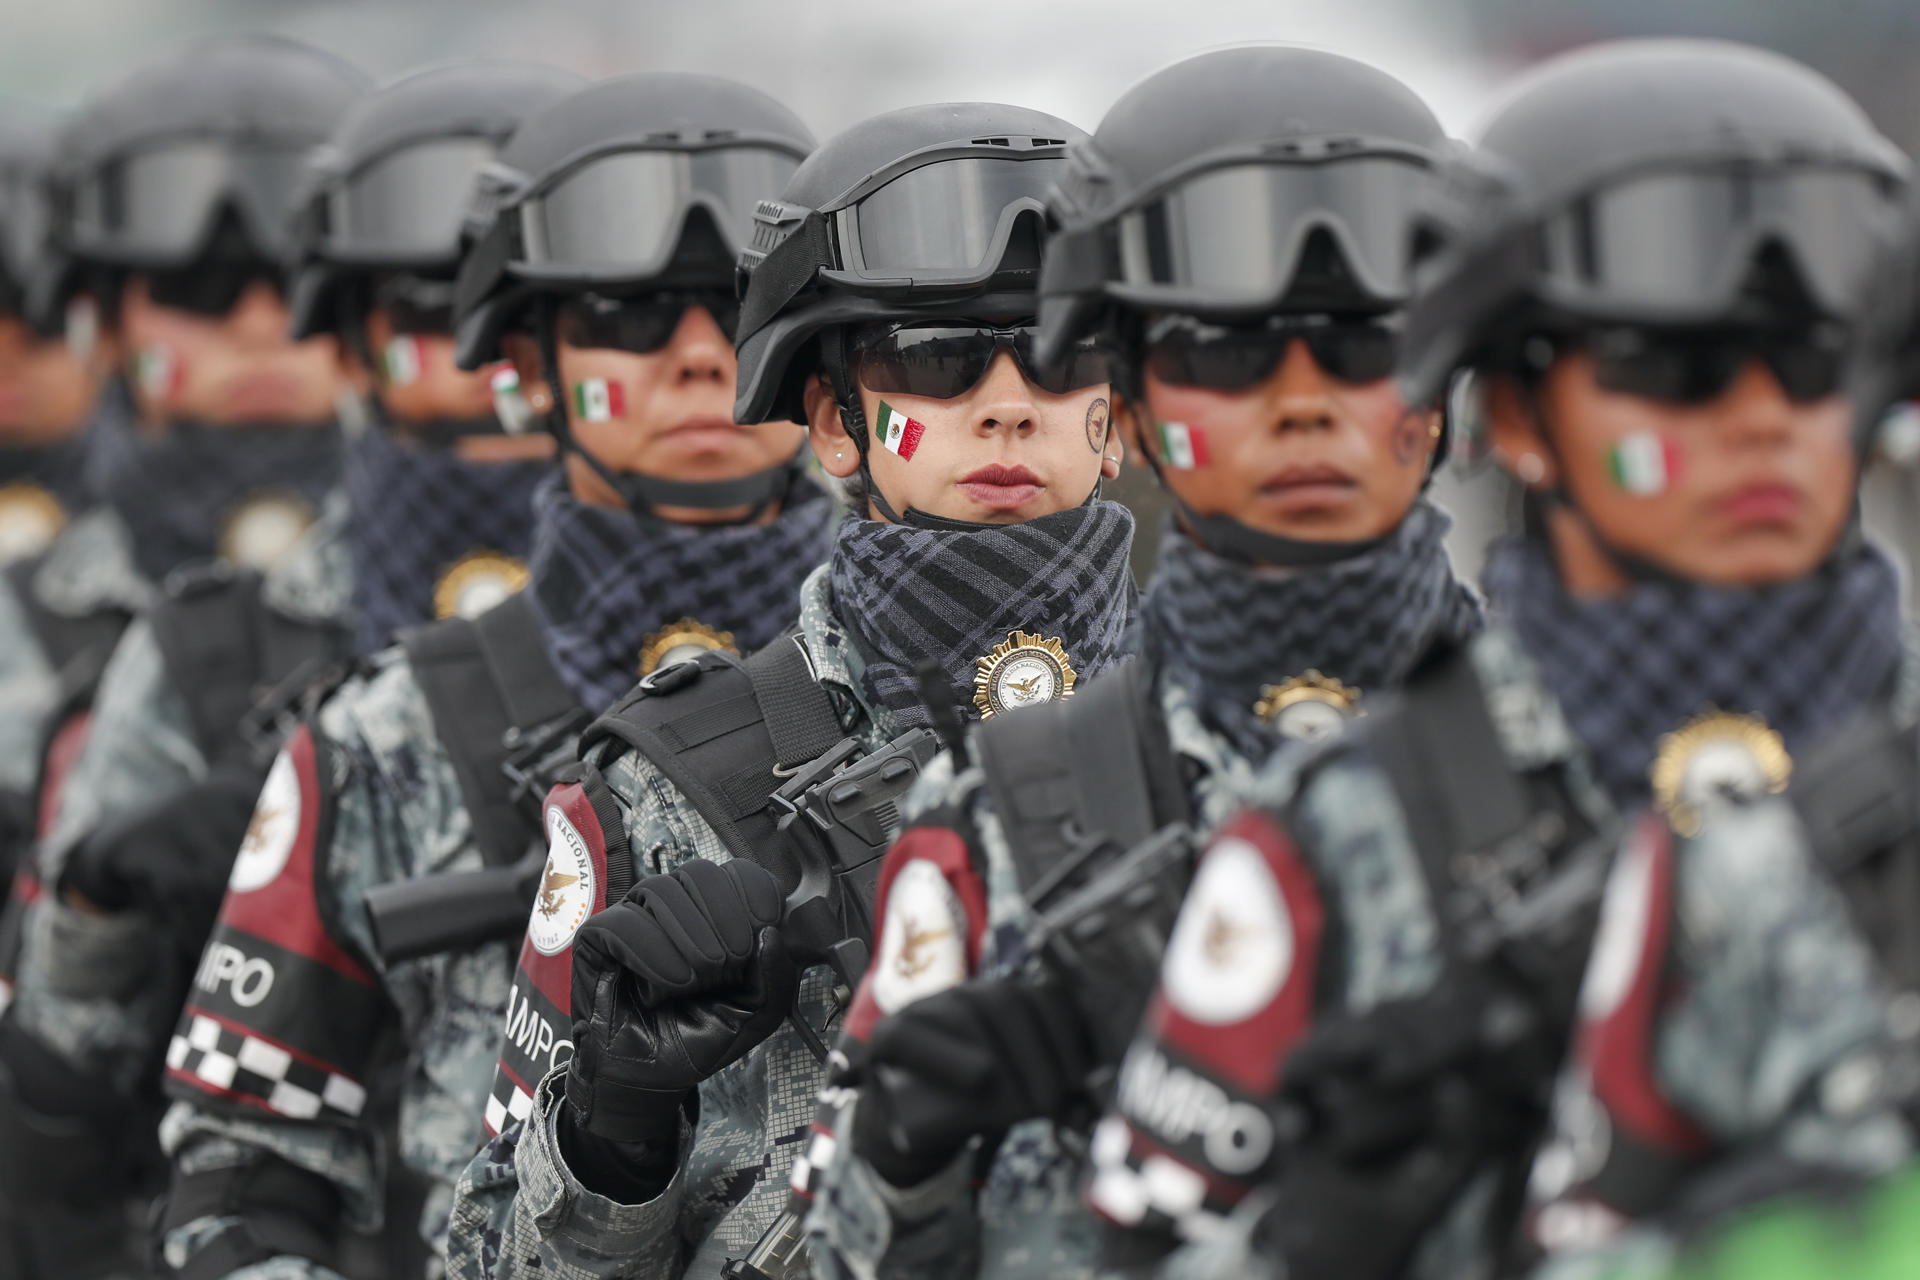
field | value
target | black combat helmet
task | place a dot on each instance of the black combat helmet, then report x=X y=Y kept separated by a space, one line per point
x=1235 y=185
x=26 y=147
x=1887 y=365
x=194 y=153
x=933 y=210
x=642 y=184
x=388 y=191
x=1659 y=182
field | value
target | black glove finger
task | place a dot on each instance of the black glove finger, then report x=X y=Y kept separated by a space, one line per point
x=683 y=924
x=627 y=938
x=756 y=891
x=1038 y=1038
x=717 y=918
x=937 y=1040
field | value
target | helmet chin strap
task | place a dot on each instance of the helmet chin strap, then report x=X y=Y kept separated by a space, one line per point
x=643 y=494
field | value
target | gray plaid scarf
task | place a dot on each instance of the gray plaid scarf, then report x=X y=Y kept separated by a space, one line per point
x=601 y=580
x=417 y=508
x=909 y=595
x=1804 y=655
x=176 y=487
x=1225 y=629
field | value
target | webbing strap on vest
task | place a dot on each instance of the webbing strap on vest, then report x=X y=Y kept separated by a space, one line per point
x=487 y=681
x=64 y=638
x=224 y=647
x=1443 y=756
x=1098 y=764
x=719 y=728
x=1855 y=793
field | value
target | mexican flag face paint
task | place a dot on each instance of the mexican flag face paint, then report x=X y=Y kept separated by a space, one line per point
x=403 y=359
x=597 y=400
x=1183 y=447
x=898 y=433
x=157 y=370
x=1644 y=463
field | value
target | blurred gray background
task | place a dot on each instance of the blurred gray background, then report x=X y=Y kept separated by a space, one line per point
x=836 y=61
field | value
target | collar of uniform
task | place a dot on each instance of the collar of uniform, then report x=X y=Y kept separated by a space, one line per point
x=836 y=661
x=314 y=583
x=90 y=567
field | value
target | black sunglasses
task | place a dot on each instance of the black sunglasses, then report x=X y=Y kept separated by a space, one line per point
x=941 y=361
x=1189 y=352
x=642 y=324
x=208 y=289
x=1688 y=369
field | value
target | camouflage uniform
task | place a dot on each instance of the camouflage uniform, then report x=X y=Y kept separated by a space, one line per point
x=80 y=985
x=519 y=1211
x=87 y=568
x=1780 y=992
x=1028 y=1219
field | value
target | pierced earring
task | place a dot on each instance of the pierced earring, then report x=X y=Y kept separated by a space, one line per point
x=1433 y=432
x=839 y=453
x=538 y=400
x=1531 y=469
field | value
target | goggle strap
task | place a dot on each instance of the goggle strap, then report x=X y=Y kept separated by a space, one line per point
x=788 y=269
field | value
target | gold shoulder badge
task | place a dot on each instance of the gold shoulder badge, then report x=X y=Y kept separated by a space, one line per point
x=262 y=528
x=29 y=518
x=1717 y=758
x=1024 y=670
x=1308 y=707
x=680 y=641
x=476 y=582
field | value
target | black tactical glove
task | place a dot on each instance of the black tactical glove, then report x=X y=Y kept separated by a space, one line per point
x=1398 y=1109
x=975 y=1059
x=672 y=983
x=171 y=859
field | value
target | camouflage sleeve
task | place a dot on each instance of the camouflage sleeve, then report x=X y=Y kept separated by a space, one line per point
x=27 y=692
x=139 y=746
x=518 y=1209
x=520 y=1212
x=1778 y=1010
x=397 y=814
x=85 y=979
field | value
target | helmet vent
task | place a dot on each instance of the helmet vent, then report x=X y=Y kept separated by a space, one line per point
x=993 y=142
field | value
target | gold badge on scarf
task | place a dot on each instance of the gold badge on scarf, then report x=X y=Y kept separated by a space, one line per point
x=1024 y=670
x=681 y=641
x=1716 y=760
x=1308 y=707
x=476 y=582
x=262 y=528
x=29 y=518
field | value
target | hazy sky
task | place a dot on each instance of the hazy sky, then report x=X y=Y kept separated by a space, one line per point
x=833 y=61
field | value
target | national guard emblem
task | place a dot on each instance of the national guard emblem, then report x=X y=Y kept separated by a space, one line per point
x=476 y=582
x=1716 y=760
x=681 y=641
x=1024 y=670
x=1308 y=707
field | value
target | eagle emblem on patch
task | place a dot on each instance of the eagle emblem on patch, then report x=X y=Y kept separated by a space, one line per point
x=476 y=582
x=1024 y=670
x=682 y=641
x=1308 y=707
x=565 y=899
x=1717 y=760
x=260 y=529
x=30 y=516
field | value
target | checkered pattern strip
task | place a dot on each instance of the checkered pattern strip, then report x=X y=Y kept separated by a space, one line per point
x=1225 y=629
x=1135 y=1189
x=507 y=1103
x=911 y=595
x=416 y=510
x=1806 y=655
x=603 y=580
x=210 y=1054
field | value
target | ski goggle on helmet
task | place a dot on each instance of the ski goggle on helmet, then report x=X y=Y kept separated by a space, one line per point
x=619 y=215
x=158 y=204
